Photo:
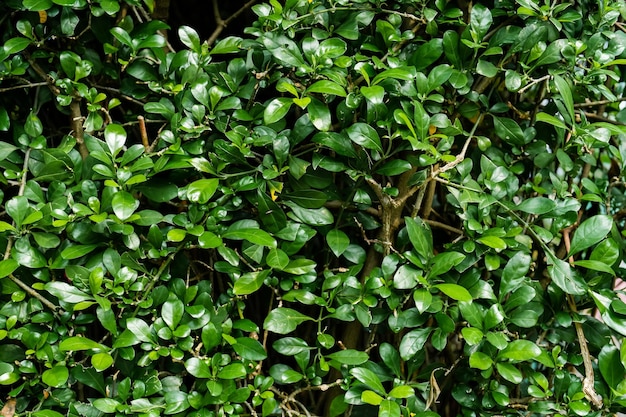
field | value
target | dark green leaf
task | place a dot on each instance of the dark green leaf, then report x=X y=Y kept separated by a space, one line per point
x=590 y=232
x=365 y=135
x=283 y=320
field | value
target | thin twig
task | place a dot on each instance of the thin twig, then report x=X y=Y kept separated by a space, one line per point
x=17 y=87
x=77 y=127
x=589 y=380
x=533 y=82
x=221 y=23
x=598 y=103
x=602 y=118
x=461 y=156
x=143 y=132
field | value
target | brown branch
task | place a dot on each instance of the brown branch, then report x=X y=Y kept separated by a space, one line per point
x=602 y=118
x=221 y=23
x=77 y=127
x=17 y=87
x=143 y=133
x=588 y=381
x=598 y=103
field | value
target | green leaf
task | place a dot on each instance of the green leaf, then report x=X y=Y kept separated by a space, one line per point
x=547 y=118
x=77 y=251
x=277 y=259
x=250 y=282
x=480 y=22
x=250 y=349
x=208 y=240
x=337 y=241
x=284 y=374
x=514 y=273
x=172 y=312
x=389 y=408
x=140 y=329
x=365 y=135
x=520 y=350
x=285 y=50
x=228 y=45
x=124 y=205
x=480 y=360
x=370 y=397
x=201 y=191
x=307 y=198
x=402 y=391
x=37 y=5
x=611 y=367
x=349 y=357
x=189 y=37
x=115 y=137
x=101 y=361
x=566 y=278
x=326 y=87
x=67 y=293
x=106 y=405
x=76 y=343
x=509 y=372
x=232 y=371
x=590 y=232
x=454 y=291
x=283 y=320
x=565 y=91
x=443 y=262
x=13 y=46
x=319 y=115
x=55 y=377
x=412 y=342
x=198 y=368
x=420 y=236
x=369 y=378
x=536 y=205
x=290 y=346
x=256 y=236
x=509 y=131
x=8 y=266
x=276 y=110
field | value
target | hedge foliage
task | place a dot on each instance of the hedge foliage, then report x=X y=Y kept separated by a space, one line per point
x=351 y=207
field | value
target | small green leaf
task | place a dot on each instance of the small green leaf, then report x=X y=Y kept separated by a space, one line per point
x=250 y=282
x=55 y=377
x=276 y=110
x=509 y=131
x=454 y=291
x=480 y=360
x=327 y=87
x=77 y=251
x=412 y=342
x=319 y=115
x=250 y=349
x=124 y=205
x=76 y=343
x=8 y=266
x=140 y=329
x=590 y=232
x=369 y=378
x=189 y=37
x=370 y=397
x=520 y=350
x=256 y=236
x=198 y=368
x=537 y=205
x=365 y=135
x=349 y=357
x=232 y=371
x=101 y=361
x=420 y=236
x=566 y=278
x=509 y=372
x=283 y=320
x=402 y=391
x=115 y=137
x=337 y=241
x=172 y=312
x=201 y=191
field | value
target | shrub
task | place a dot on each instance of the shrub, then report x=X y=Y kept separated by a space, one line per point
x=350 y=207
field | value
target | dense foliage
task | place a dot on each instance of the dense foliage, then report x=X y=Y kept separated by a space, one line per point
x=351 y=207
